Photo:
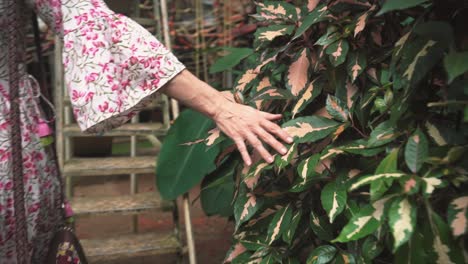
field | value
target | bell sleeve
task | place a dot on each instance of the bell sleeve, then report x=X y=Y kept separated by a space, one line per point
x=113 y=67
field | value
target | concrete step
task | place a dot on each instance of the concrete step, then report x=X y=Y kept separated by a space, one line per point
x=138 y=129
x=109 y=166
x=122 y=204
x=130 y=246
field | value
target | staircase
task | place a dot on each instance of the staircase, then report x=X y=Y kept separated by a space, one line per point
x=134 y=245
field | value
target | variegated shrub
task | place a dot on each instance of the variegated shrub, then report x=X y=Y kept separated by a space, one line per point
x=375 y=94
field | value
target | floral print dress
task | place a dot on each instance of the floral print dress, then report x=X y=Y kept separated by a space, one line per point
x=113 y=67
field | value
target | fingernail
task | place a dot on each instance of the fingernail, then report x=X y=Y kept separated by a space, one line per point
x=270 y=159
x=290 y=139
x=284 y=150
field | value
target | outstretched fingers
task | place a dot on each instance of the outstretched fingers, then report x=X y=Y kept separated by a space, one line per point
x=277 y=130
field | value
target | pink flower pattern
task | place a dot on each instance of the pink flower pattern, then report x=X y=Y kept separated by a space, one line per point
x=113 y=68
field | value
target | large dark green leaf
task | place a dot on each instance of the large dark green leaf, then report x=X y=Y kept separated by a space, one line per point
x=388 y=165
x=321 y=227
x=218 y=191
x=235 y=56
x=391 y=5
x=322 y=255
x=416 y=151
x=181 y=167
x=456 y=63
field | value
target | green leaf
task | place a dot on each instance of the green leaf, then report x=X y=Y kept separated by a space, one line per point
x=382 y=134
x=279 y=224
x=337 y=109
x=322 y=255
x=357 y=63
x=338 y=51
x=402 y=220
x=365 y=222
x=217 y=191
x=319 y=14
x=310 y=129
x=413 y=251
x=288 y=235
x=416 y=151
x=181 y=167
x=456 y=64
x=321 y=227
x=306 y=170
x=391 y=5
x=246 y=205
x=236 y=252
x=388 y=165
x=333 y=199
x=457 y=216
x=227 y=62
x=285 y=160
x=419 y=57
x=371 y=248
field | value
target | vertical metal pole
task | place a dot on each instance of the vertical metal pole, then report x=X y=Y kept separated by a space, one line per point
x=133 y=176
x=175 y=112
x=58 y=100
x=167 y=43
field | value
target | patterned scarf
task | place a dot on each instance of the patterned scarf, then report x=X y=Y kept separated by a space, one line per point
x=15 y=52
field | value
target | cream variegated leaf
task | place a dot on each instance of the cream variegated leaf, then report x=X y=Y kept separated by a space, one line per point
x=279 y=224
x=268 y=34
x=361 y=21
x=245 y=79
x=245 y=205
x=333 y=199
x=430 y=184
x=435 y=134
x=357 y=63
x=458 y=215
x=253 y=174
x=370 y=178
x=337 y=109
x=310 y=129
x=313 y=89
x=423 y=52
x=271 y=10
x=214 y=137
x=364 y=222
x=312 y=4
x=402 y=220
x=305 y=172
x=285 y=160
x=298 y=73
x=338 y=52
x=235 y=251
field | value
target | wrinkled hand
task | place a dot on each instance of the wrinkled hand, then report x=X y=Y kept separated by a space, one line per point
x=243 y=123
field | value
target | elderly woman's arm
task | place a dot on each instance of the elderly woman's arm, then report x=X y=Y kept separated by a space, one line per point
x=239 y=122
